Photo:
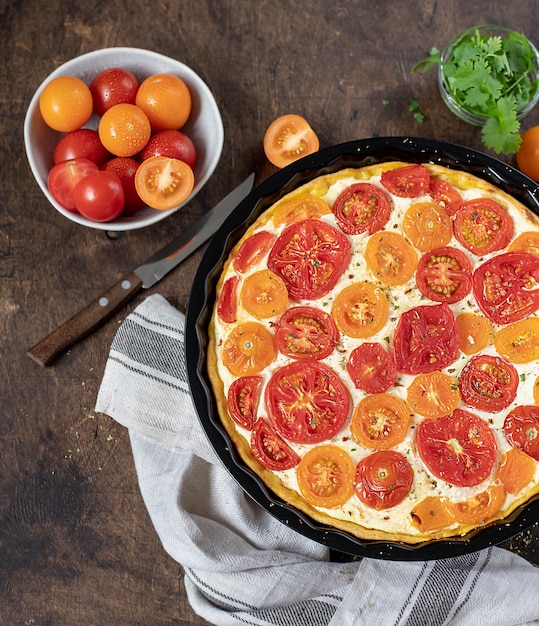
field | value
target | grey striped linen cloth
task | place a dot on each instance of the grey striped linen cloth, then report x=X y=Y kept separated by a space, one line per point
x=241 y=565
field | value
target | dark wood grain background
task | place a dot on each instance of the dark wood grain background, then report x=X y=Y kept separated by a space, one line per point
x=76 y=543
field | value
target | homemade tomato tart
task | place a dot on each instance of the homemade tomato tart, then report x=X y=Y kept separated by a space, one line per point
x=374 y=351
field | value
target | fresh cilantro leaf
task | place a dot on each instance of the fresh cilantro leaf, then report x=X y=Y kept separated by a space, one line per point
x=500 y=132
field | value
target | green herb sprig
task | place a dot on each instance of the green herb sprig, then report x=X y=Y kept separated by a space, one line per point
x=490 y=76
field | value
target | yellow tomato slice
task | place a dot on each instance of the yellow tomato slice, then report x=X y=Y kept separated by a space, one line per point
x=474 y=332
x=519 y=342
x=517 y=469
x=380 y=421
x=390 y=258
x=526 y=242
x=433 y=394
x=480 y=508
x=306 y=208
x=248 y=349
x=360 y=310
x=264 y=294
x=432 y=513
x=427 y=225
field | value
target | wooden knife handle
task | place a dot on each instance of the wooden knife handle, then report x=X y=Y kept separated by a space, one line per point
x=85 y=321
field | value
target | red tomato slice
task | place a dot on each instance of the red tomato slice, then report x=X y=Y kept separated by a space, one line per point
x=372 y=368
x=444 y=275
x=488 y=383
x=164 y=183
x=383 y=479
x=305 y=332
x=63 y=178
x=307 y=402
x=445 y=195
x=410 y=181
x=459 y=448
x=227 y=305
x=521 y=428
x=252 y=250
x=270 y=449
x=482 y=226
x=310 y=257
x=506 y=287
x=243 y=398
x=426 y=339
x=362 y=207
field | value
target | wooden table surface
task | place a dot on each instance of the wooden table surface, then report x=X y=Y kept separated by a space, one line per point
x=76 y=543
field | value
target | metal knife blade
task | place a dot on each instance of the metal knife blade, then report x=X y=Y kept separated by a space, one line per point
x=146 y=275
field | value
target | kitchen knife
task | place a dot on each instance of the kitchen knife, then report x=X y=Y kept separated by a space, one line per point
x=146 y=275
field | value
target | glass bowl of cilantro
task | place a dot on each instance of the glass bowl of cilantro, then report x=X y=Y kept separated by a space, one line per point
x=489 y=76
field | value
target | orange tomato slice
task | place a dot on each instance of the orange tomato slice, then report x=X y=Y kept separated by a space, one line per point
x=481 y=507
x=432 y=513
x=380 y=421
x=519 y=342
x=390 y=258
x=427 y=225
x=474 y=332
x=433 y=394
x=517 y=469
x=248 y=349
x=164 y=183
x=360 y=310
x=264 y=294
x=289 y=138
x=306 y=208
x=326 y=476
x=526 y=242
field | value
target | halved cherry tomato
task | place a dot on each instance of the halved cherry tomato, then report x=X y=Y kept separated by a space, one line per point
x=164 y=183
x=383 y=479
x=263 y=294
x=326 y=476
x=115 y=85
x=482 y=226
x=433 y=394
x=166 y=100
x=427 y=225
x=252 y=250
x=66 y=103
x=380 y=421
x=426 y=339
x=526 y=242
x=372 y=368
x=519 y=342
x=243 y=397
x=289 y=138
x=409 y=181
x=488 y=383
x=521 y=428
x=299 y=209
x=444 y=275
x=517 y=470
x=306 y=332
x=360 y=310
x=444 y=194
x=124 y=130
x=126 y=169
x=474 y=332
x=481 y=507
x=248 y=349
x=64 y=176
x=506 y=287
x=81 y=143
x=362 y=207
x=99 y=196
x=171 y=143
x=390 y=258
x=310 y=256
x=227 y=303
x=432 y=513
x=270 y=449
x=459 y=448
x=307 y=402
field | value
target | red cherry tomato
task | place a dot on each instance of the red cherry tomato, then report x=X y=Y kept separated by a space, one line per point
x=113 y=86
x=99 y=196
x=362 y=207
x=409 y=181
x=81 y=143
x=482 y=226
x=305 y=332
x=270 y=449
x=126 y=168
x=444 y=275
x=64 y=176
x=521 y=427
x=243 y=396
x=488 y=383
x=173 y=144
x=372 y=368
x=383 y=479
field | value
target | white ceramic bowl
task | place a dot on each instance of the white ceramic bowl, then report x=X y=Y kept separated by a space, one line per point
x=204 y=126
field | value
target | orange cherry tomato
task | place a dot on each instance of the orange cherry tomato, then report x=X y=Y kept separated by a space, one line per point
x=288 y=138
x=248 y=349
x=480 y=508
x=433 y=394
x=166 y=100
x=164 y=183
x=264 y=294
x=528 y=153
x=306 y=208
x=526 y=242
x=380 y=421
x=517 y=470
x=326 y=476
x=66 y=103
x=519 y=342
x=427 y=225
x=390 y=258
x=124 y=129
x=432 y=513
x=360 y=310
x=474 y=332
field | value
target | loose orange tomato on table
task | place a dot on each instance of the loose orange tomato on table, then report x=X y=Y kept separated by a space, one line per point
x=66 y=103
x=289 y=138
x=528 y=153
